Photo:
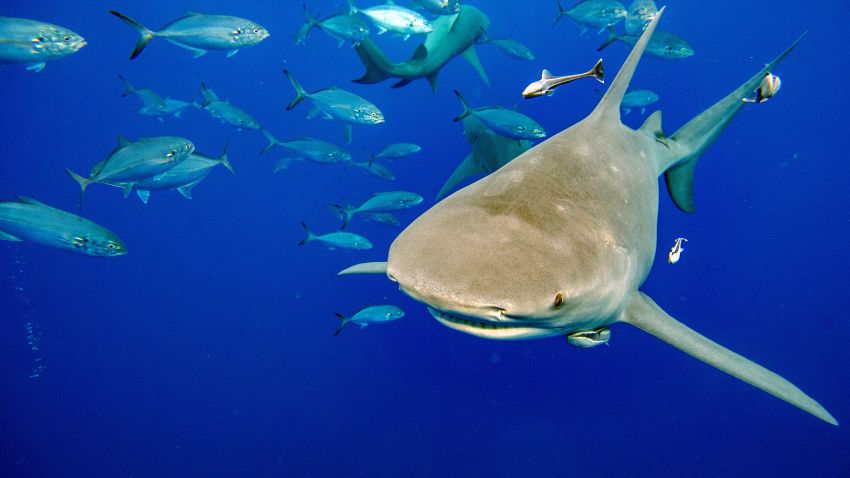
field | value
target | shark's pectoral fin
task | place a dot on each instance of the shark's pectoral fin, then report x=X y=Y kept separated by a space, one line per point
x=469 y=167
x=472 y=57
x=365 y=268
x=8 y=237
x=643 y=313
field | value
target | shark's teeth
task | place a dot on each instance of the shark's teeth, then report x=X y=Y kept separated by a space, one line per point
x=470 y=323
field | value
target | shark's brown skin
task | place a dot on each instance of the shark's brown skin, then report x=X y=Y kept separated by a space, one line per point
x=560 y=239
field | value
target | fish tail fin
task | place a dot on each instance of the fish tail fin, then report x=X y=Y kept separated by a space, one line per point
x=305 y=29
x=310 y=234
x=466 y=110
x=598 y=72
x=224 y=162
x=342 y=321
x=271 y=139
x=612 y=37
x=352 y=8
x=128 y=87
x=208 y=94
x=84 y=183
x=378 y=66
x=370 y=155
x=691 y=140
x=561 y=13
x=346 y=213
x=300 y=93
x=643 y=313
x=145 y=34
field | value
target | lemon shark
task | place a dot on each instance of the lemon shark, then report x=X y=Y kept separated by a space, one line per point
x=559 y=241
x=451 y=36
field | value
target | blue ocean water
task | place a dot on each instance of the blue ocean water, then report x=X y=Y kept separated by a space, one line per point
x=209 y=351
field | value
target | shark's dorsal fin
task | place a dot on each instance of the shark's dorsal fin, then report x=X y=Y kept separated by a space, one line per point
x=609 y=107
x=546 y=75
x=31 y=201
x=123 y=142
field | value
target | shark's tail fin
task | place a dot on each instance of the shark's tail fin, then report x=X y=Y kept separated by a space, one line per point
x=145 y=34
x=466 y=109
x=128 y=87
x=310 y=235
x=300 y=93
x=378 y=66
x=692 y=139
x=612 y=37
x=646 y=315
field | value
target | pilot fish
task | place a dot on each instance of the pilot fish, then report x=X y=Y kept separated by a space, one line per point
x=375 y=314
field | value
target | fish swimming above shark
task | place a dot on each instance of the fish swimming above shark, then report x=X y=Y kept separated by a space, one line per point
x=490 y=151
x=560 y=240
x=451 y=36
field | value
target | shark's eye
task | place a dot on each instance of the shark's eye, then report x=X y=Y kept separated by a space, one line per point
x=559 y=300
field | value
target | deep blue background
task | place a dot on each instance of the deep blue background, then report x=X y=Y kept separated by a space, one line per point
x=208 y=350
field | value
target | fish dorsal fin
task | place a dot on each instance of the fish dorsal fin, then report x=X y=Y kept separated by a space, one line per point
x=123 y=142
x=546 y=75
x=609 y=107
x=652 y=125
x=31 y=201
x=421 y=53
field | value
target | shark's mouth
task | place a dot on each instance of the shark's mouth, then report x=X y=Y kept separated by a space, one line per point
x=493 y=330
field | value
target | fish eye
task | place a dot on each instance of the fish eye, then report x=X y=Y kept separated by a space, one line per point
x=256 y=30
x=110 y=246
x=67 y=38
x=559 y=300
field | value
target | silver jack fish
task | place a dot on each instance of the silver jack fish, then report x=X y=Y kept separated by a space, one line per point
x=393 y=18
x=638 y=99
x=183 y=177
x=503 y=121
x=380 y=202
x=593 y=13
x=310 y=149
x=200 y=33
x=153 y=104
x=225 y=111
x=661 y=45
x=548 y=82
x=640 y=13
x=29 y=220
x=439 y=7
x=32 y=43
x=334 y=240
x=132 y=162
x=344 y=27
x=335 y=103
x=375 y=314
x=509 y=47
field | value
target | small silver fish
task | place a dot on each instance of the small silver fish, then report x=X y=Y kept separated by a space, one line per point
x=510 y=48
x=375 y=169
x=32 y=43
x=676 y=251
x=638 y=99
x=661 y=44
x=380 y=202
x=310 y=149
x=333 y=240
x=376 y=314
x=343 y=27
x=547 y=83
x=199 y=33
x=226 y=111
x=768 y=87
x=640 y=13
x=503 y=121
x=384 y=218
x=398 y=151
x=30 y=220
x=593 y=13
x=590 y=338
x=439 y=7
x=152 y=103
x=336 y=103
x=394 y=18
